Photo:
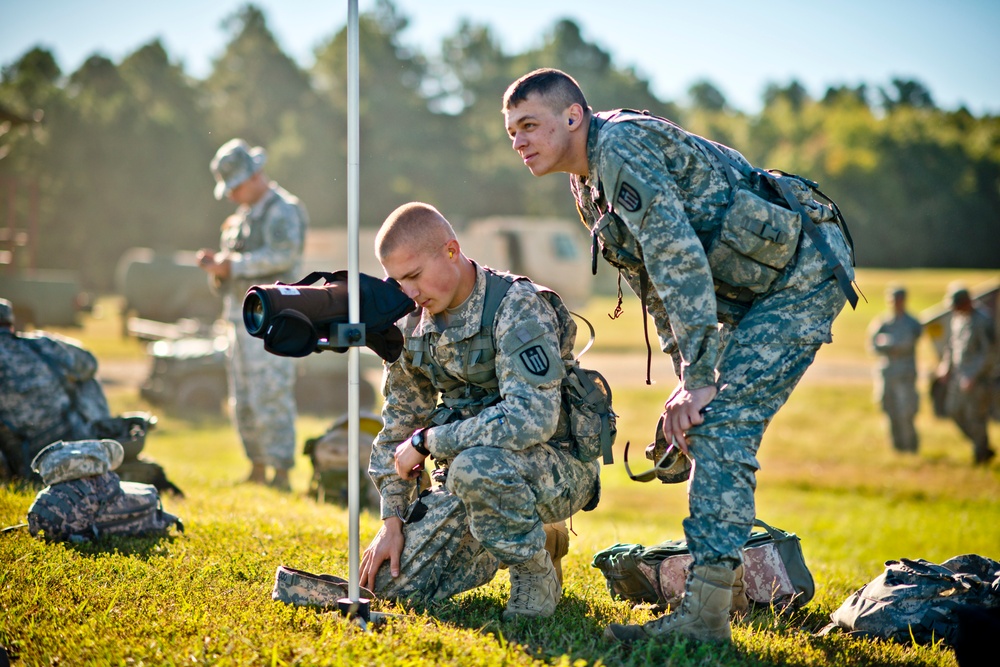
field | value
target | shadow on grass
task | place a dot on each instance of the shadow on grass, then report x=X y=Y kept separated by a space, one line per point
x=143 y=548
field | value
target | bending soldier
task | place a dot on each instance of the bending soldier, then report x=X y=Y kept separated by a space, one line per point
x=656 y=199
x=484 y=401
x=966 y=364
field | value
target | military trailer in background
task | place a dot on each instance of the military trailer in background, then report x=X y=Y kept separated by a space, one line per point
x=41 y=297
x=935 y=319
x=44 y=297
x=187 y=375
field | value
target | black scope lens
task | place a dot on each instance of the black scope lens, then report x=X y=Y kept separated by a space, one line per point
x=254 y=313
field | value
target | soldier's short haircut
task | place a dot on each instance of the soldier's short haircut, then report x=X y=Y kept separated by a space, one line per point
x=559 y=89
x=416 y=225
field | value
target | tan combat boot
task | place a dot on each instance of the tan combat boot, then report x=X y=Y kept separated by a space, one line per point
x=557 y=544
x=741 y=603
x=534 y=588
x=703 y=614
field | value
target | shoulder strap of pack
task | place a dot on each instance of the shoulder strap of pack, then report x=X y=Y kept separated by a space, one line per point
x=780 y=181
x=497 y=286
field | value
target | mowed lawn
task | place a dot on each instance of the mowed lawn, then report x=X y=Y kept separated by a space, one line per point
x=828 y=474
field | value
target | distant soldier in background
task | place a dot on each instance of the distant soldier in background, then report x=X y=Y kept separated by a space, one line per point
x=966 y=362
x=47 y=392
x=261 y=243
x=893 y=337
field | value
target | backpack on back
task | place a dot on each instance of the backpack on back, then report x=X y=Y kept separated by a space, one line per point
x=920 y=601
x=586 y=394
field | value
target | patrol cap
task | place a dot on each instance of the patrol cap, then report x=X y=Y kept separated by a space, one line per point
x=234 y=163
x=958 y=293
x=6 y=312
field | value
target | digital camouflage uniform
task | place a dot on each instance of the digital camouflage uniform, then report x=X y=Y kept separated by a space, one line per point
x=47 y=393
x=970 y=346
x=509 y=468
x=264 y=244
x=894 y=340
x=666 y=196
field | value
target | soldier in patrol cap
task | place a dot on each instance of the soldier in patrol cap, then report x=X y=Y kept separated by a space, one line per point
x=970 y=350
x=261 y=244
x=893 y=337
x=656 y=199
x=484 y=401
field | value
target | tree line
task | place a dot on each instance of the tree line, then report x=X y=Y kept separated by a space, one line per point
x=120 y=155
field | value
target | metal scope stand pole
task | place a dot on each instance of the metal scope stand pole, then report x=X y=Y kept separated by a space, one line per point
x=352 y=334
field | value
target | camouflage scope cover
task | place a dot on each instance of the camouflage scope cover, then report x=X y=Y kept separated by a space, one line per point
x=304 y=589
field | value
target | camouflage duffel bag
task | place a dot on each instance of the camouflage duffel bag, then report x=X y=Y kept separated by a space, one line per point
x=91 y=507
x=774 y=570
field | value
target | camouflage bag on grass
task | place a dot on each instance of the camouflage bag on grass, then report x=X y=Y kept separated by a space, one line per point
x=919 y=601
x=78 y=510
x=774 y=570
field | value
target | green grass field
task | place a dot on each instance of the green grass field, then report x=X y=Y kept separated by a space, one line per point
x=828 y=475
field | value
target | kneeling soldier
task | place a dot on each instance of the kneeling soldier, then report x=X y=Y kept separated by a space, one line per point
x=477 y=388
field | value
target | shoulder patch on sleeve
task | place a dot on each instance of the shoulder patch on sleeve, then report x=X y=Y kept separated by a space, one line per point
x=532 y=355
x=631 y=195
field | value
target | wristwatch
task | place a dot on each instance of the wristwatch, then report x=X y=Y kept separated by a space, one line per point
x=417 y=441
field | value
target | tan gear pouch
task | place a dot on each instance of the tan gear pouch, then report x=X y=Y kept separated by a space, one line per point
x=756 y=241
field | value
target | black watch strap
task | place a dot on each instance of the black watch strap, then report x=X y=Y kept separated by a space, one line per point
x=417 y=441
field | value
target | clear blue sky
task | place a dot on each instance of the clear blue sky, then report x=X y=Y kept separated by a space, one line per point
x=952 y=46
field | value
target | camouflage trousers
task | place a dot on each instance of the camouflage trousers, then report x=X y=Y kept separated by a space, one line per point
x=490 y=513
x=764 y=357
x=971 y=412
x=262 y=399
x=900 y=401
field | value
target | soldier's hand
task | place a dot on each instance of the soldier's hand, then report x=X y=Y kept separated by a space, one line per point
x=683 y=410
x=409 y=462
x=387 y=545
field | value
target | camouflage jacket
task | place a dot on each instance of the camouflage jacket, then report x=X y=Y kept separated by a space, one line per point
x=264 y=244
x=527 y=331
x=657 y=197
x=894 y=340
x=670 y=196
x=970 y=346
x=47 y=390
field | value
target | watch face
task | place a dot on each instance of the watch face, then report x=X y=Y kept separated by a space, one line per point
x=417 y=439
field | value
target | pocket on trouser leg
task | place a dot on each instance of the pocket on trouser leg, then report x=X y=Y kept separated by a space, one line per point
x=577 y=486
